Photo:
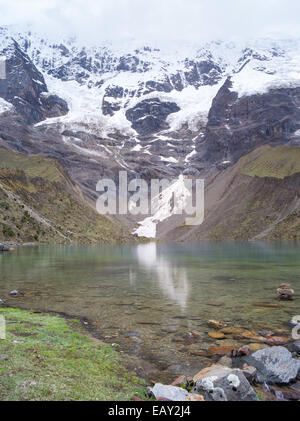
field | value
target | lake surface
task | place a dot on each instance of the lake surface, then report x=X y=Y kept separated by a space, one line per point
x=147 y=297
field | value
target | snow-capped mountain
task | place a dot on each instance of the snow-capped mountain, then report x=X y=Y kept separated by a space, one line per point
x=151 y=111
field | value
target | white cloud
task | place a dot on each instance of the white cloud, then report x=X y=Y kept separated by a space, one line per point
x=156 y=20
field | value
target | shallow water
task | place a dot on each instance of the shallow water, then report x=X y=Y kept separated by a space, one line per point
x=146 y=297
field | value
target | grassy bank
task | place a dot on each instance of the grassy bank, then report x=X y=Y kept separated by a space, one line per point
x=50 y=358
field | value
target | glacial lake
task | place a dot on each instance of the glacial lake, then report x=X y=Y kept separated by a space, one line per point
x=148 y=297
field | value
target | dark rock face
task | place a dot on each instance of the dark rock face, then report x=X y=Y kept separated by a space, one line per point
x=149 y=116
x=236 y=126
x=128 y=63
x=202 y=73
x=82 y=62
x=25 y=88
x=152 y=86
x=110 y=107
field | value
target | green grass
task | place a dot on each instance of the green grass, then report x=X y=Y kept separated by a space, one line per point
x=46 y=188
x=51 y=359
x=267 y=161
x=33 y=166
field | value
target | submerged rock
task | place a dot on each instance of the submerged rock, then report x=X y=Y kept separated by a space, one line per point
x=285 y=292
x=274 y=365
x=172 y=393
x=216 y=335
x=216 y=324
x=218 y=383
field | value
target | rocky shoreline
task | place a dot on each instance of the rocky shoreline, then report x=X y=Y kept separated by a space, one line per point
x=268 y=369
x=245 y=365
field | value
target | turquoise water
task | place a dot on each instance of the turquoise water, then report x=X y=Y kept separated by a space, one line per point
x=147 y=297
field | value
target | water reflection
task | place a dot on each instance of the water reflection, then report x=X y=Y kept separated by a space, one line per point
x=172 y=280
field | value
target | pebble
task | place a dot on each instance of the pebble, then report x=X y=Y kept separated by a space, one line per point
x=216 y=335
x=4 y=356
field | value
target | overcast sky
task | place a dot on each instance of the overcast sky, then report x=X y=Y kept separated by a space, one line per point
x=155 y=20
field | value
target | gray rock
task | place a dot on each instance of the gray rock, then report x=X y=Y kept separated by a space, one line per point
x=249 y=373
x=4 y=356
x=225 y=361
x=275 y=365
x=225 y=384
x=296 y=346
x=169 y=392
x=1 y=302
x=3 y=247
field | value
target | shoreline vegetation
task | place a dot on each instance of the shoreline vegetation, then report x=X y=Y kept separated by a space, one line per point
x=48 y=357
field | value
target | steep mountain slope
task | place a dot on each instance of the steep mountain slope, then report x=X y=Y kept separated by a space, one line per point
x=39 y=202
x=257 y=198
x=156 y=113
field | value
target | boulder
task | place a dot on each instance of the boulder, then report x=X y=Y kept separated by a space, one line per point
x=221 y=350
x=275 y=365
x=218 y=383
x=256 y=347
x=172 y=393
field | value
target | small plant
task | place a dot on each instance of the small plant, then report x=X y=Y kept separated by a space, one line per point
x=7 y=231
